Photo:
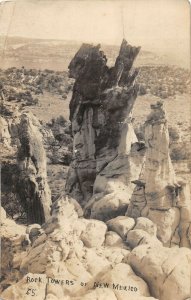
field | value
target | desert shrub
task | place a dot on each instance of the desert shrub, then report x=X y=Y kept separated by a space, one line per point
x=10 y=200
x=48 y=71
x=33 y=72
x=35 y=101
x=179 y=153
x=163 y=94
x=142 y=89
x=4 y=110
x=173 y=133
x=64 y=96
x=31 y=101
x=62 y=137
x=67 y=158
x=60 y=120
x=3 y=80
x=12 y=205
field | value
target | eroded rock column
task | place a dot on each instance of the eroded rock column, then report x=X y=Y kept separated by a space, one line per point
x=32 y=185
x=158 y=195
x=104 y=139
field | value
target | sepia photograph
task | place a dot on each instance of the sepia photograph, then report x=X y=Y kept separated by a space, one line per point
x=95 y=150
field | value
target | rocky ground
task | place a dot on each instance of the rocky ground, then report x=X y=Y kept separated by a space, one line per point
x=95 y=194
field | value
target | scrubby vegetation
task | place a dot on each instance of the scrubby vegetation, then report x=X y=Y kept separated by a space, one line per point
x=180 y=152
x=9 y=198
x=24 y=85
x=163 y=81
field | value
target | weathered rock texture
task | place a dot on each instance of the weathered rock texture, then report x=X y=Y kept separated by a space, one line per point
x=14 y=243
x=167 y=271
x=5 y=137
x=32 y=185
x=23 y=160
x=73 y=260
x=105 y=153
x=158 y=194
x=73 y=250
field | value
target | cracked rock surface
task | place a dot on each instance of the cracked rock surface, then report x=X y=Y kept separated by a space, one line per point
x=121 y=230
x=106 y=156
x=158 y=194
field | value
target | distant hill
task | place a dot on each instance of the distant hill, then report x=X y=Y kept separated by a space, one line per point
x=57 y=54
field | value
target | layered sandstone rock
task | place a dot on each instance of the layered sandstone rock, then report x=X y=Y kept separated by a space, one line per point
x=32 y=185
x=106 y=157
x=158 y=195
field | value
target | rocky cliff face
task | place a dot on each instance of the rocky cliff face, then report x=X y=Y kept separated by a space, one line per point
x=159 y=195
x=23 y=160
x=105 y=146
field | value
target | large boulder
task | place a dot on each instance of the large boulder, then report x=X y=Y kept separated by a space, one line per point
x=14 y=245
x=146 y=225
x=166 y=271
x=71 y=269
x=113 y=239
x=94 y=233
x=124 y=282
x=68 y=256
x=137 y=237
x=27 y=289
x=122 y=225
x=102 y=294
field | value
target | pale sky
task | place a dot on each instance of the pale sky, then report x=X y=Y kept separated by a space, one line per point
x=159 y=25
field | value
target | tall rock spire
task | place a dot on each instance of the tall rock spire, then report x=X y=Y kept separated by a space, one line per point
x=100 y=112
x=32 y=184
x=158 y=194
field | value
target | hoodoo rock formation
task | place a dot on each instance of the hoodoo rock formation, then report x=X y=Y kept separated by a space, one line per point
x=158 y=195
x=105 y=153
x=32 y=185
x=122 y=228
